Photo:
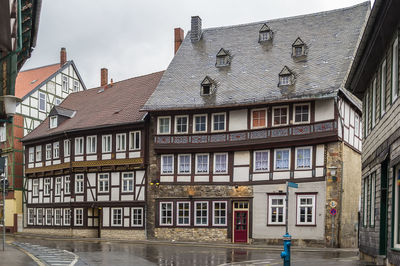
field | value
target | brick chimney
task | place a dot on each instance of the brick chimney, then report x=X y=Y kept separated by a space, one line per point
x=103 y=76
x=195 y=32
x=63 y=56
x=178 y=38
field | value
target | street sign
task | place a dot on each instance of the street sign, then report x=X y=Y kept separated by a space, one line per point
x=2 y=164
x=293 y=185
x=332 y=204
x=333 y=211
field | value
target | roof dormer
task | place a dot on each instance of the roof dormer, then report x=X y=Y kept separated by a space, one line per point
x=58 y=115
x=286 y=77
x=207 y=86
x=265 y=34
x=299 y=48
x=223 y=58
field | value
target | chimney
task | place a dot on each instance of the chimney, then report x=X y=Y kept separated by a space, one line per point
x=178 y=38
x=195 y=32
x=63 y=56
x=104 y=77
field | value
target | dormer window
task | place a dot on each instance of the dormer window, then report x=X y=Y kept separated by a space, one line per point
x=53 y=121
x=298 y=48
x=286 y=77
x=265 y=34
x=223 y=58
x=207 y=86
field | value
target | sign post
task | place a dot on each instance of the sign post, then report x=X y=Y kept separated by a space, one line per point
x=287 y=239
x=4 y=184
x=333 y=213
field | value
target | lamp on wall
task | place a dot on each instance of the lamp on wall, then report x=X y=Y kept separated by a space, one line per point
x=155 y=182
x=333 y=172
x=10 y=106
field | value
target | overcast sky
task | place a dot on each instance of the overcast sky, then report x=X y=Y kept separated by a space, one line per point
x=135 y=37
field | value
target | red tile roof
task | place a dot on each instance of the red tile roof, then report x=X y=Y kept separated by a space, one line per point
x=103 y=106
x=24 y=82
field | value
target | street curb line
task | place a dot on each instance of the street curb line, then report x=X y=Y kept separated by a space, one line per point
x=75 y=259
x=35 y=259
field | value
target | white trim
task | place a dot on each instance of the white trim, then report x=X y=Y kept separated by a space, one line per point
x=35 y=192
x=31 y=215
x=133 y=141
x=104 y=139
x=48 y=220
x=383 y=87
x=212 y=122
x=38 y=153
x=226 y=163
x=123 y=178
x=67 y=143
x=172 y=213
x=179 y=164
x=89 y=140
x=195 y=213
x=270 y=198
x=294 y=113
x=373 y=115
x=254 y=161
x=177 y=213
x=266 y=117
x=162 y=164
x=65 y=222
x=158 y=125
x=49 y=151
x=141 y=215
x=39 y=217
x=118 y=142
x=275 y=160
x=46 y=192
x=299 y=197
x=55 y=217
x=67 y=192
x=45 y=101
x=176 y=124
x=311 y=157
x=112 y=217
x=105 y=181
x=80 y=180
x=208 y=163
x=395 y=69
x=53 y=121
x=64 y=78
x=31 y=155
x=76 y=142
x=213 y=212
x=56 y=150
x=287 y=115
x=58 y=181
x=194 y=123
x=75 y=217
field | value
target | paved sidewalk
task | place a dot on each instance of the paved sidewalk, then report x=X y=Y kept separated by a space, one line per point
x=12 y=256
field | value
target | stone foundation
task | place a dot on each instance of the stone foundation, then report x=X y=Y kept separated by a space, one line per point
x=123 y=234
x=193 y=234
x=295 y=242
x=62 y=232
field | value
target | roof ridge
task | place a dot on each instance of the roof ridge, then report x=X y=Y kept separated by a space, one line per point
x=40 y=67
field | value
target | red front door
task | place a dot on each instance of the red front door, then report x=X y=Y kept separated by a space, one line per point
x=240 y=226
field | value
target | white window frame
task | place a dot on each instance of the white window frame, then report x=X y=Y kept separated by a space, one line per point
x=179 y=163
x=64 y=83
x=38 y=153
x=53 y=121
x=356 y=125
x=309 y=113
x=270 y=206
x=255 y=161
x=106 y=142
x=159 y=125
x=212 y=122
x=76 y=210
x=298 y=206
x=39 y=216
x=79 y=183
x=49 y=151
x=90 y=140
x=213 y=213
x=215 y=163
x=57 y=221
x=373 y=118
x=383 y=88
x=284 y=80
x=67 y=147
x=113 y=222
x=56 y=150
x=40 y=98
x=57 y=186
x=133 y=137
x=177 y=213
x=31 y=154
x=252 y=117
x=103 y=183
x=395 y=69
x=170 y=203
x=58 y=101
x=31 y=216
x=76 y=85
x=67 y=217
x=194 y=123
x=46 y=186
x=176 y=124
x=120 y=139
x=208 y=163
x=276 y=160
x=35 y=187
x=297 y=167
x=287 y=115
x=163 y=172
x=126 y=178
x=79 y=146
x=67 y=185
x=49 y=216
x=195 y=213
x=133 y=217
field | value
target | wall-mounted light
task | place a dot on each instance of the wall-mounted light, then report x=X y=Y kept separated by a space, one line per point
x=155 y=182
x=10 y=106
x=333 y=172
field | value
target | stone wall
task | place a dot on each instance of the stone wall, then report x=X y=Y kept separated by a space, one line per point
x=123 y=234
x=92 y=233
x=193 y=234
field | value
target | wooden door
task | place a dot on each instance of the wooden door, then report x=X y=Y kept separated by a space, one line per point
x=240 y=226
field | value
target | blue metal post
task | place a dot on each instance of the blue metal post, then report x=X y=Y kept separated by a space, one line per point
x=285 y=255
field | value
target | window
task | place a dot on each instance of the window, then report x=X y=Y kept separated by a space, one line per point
x=79 y=183
x=284 y=80
x=67 y=185
x=356 y=125
x=3 y=132
x=165 y=213
x=116 y=217
x=276 y=209
x=261 y=161
x=201 y=163
x=56 y=150
x=303 y=158
x=207 y=86
x=298 y=48
x=58 y=101
x=181 y=124
x=184 y=164
x=65 y=83
x=48 y=151
x=365 y=201
x=67 y=216
x=35 y=187
x=49 y=216
x=57 y=216
x=222 y=58
x=167 y=164
x=281 y=115
x=31 y=216
x=383 y=88
x=53 y=121
x=218 y=122
x=67 y=147
x=42 y=102
x=38 y=153
x=79 y=216
x=103 y=182
x=265 y=34
x=58 y=186
x=201 y=213
x=305 y=209
x=39 y=216
x=373 y=115
x=31 y=154
x=121 y=142
x=106 y=143
x=219 y=213
x=91 y=143
x=396 y=208
x=164 y=125
x=301 y=113
x=134 y=140
x=76 y=85
x=183 y=213
x=372 y=200
x=220 y=163
x=127 y=182
x=200 y=123
x=282 y=161
x=47 y=184
x=395 y=70
x=366 y=114
x=79 y=146
x=259 y=118
x=298 y=51
x=137 y=216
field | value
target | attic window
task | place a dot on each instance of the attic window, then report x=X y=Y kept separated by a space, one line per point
x=298 y=48
x=286 y=77
x=223 y=58
x=53 y=121
x=207 y=86
x=265 y=34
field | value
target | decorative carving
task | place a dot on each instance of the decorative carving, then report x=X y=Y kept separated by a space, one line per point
x=163 y=139
x=237 y=136
x=323 y=127
x=259 y=134
x=279 y=132
x=301 y=130
x=199 y=139
x=218 y=138
x=181 y=140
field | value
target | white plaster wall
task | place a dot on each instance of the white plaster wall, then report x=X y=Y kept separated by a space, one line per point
x=240 y=174
x=183 y=178
x=302 y=174
x=220 y=178
x=241 y=158
x=106 y=216
x=260 y=177
x=281 y=175
x=201 y=178
x=320 y=155
x=238 y=120
x=324 y=110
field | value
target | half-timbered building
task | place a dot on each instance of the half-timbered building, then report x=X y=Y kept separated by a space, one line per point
x=243 y=109
x=85 y=169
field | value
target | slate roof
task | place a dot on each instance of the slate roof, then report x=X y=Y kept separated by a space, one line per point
x=331 y=38
x=112 y=105
x=58 y=110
